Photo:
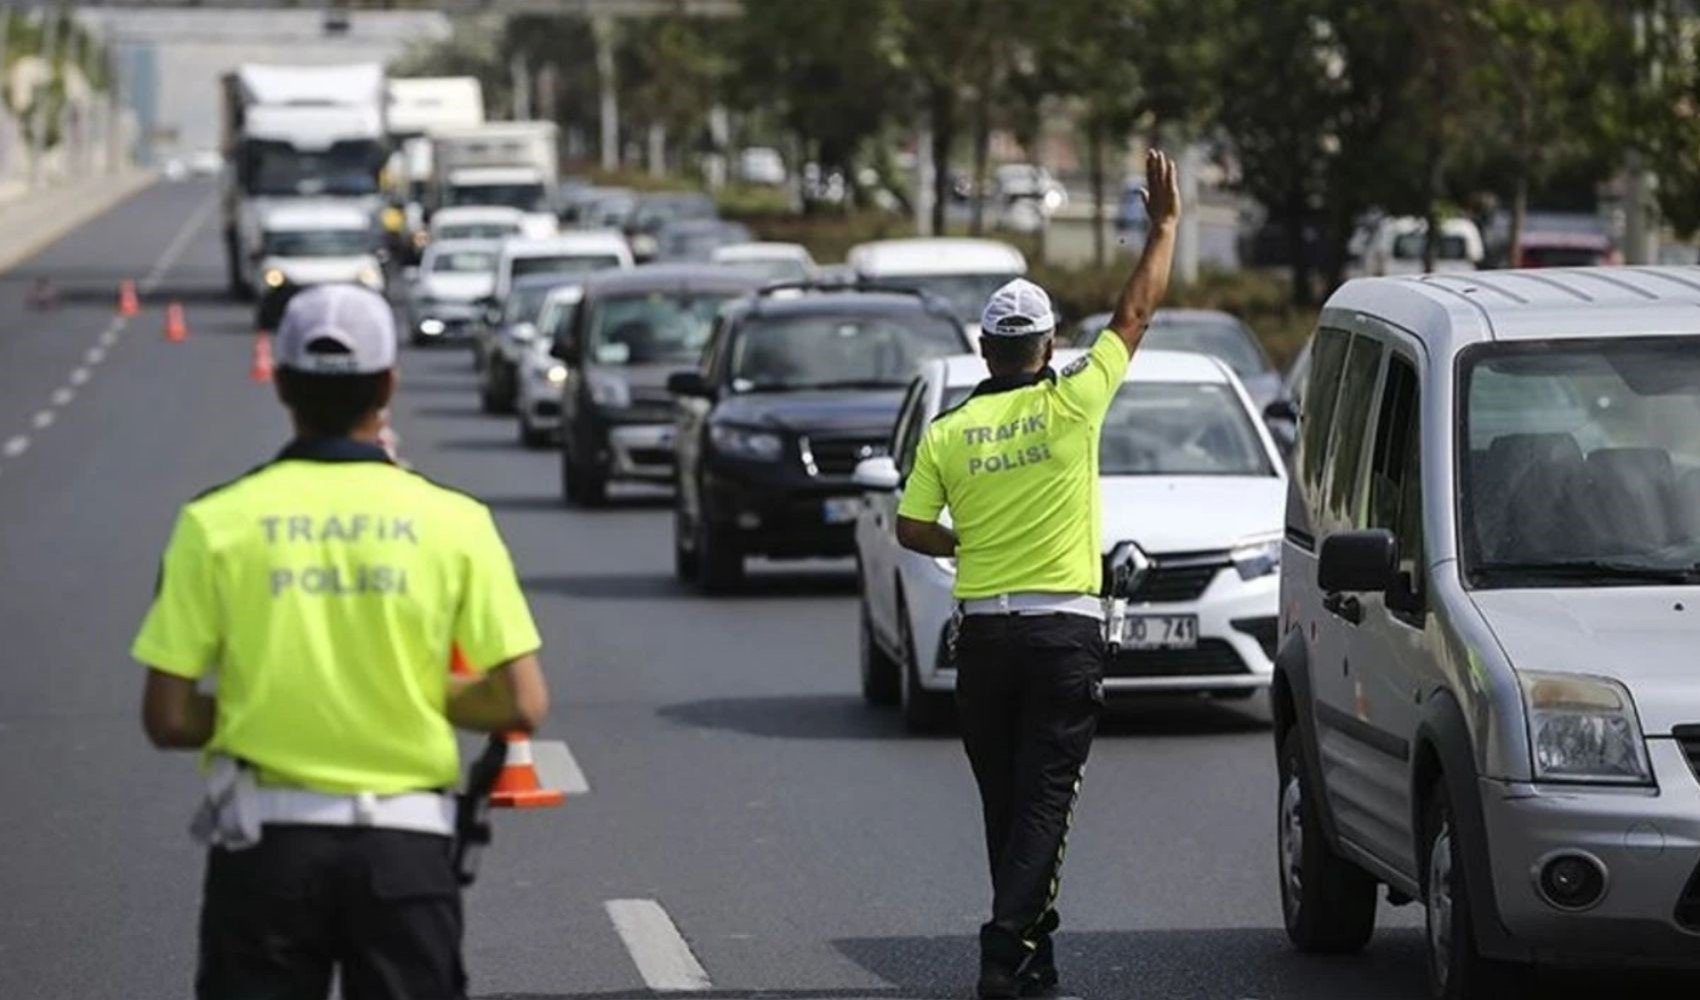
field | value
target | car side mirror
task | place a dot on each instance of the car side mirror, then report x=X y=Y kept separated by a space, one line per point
x=523 y=331
x=1358 y=562
x=877 y=475
x=690 y=385
x=1281 y=411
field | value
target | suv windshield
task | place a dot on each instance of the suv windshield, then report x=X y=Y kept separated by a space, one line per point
x=476 y=231
x=1582 y=467
x=965 y=293
x=1226 y=339
x=566 y=264
x=1172 y=429
x=825 y=351
x=464 y=262
x=318 y=243
x=525 y=197
x=657 y=328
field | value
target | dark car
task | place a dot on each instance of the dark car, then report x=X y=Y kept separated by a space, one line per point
x=697 y=239
x=631 y=331
x=655 y=211
x=798 y=384
x=507 y=332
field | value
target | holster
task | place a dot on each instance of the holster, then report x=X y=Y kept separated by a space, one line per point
x=472 y=809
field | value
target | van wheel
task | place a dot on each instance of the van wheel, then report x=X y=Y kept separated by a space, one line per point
x=1328 y=903
x=923 y=711
x=1456 y=970
x=880 y=677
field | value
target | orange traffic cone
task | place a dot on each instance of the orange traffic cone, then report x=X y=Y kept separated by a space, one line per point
x=260 y=369
x=128 y=304
x=518 y=786
x=176 y=327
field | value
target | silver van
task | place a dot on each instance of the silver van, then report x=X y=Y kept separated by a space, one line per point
x=1487 y=690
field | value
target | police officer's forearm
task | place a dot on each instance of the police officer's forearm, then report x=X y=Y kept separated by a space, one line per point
x=1149 y=282
x=175 y=715
x=508 y=697
x=926 y=537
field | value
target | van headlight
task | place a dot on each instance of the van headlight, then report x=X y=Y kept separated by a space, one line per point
x=743 y=442
x=1583 y=729
x=1257 y=556
x=371 y=277
x=556 y=374
x=274 y=278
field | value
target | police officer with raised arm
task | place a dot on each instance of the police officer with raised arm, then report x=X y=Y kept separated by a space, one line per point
x=1017 y=466
x=322 y=593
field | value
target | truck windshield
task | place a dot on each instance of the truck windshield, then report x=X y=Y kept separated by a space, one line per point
x=525 y=197
x=464 y=262
x=1579 y=464
x=658 y=328
x=832 y=351
x=317 y=243
x=276 y=169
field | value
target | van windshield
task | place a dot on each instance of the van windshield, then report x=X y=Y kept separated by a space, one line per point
x=1582 y=467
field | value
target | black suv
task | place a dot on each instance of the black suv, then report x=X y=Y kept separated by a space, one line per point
x=799 y=383
x=630 y=332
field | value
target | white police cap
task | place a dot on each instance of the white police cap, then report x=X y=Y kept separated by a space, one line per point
x=336 y=330
x=1018 y=309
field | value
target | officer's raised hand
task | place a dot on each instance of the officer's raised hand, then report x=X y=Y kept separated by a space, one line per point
x=1150 y=279
x=1162 y=192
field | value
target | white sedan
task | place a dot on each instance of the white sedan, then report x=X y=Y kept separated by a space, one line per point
x=1193 y=493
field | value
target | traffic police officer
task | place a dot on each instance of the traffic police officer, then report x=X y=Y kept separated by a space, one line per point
x=1017 y=466
x=322 y=593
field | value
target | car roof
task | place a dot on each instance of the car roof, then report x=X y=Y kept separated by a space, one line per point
x=317 y=215
x=849 y=299
x=1448 y=312
x=673 y=277
x=436 y=247
x=936 y=255
x=477 y=213
x=1183 y=316
x=1148 y=366
x=762 y=250
x=584 y=241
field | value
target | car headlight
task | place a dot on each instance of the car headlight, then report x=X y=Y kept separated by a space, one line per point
x=274 y=278
x=742 y=442
x=556 y=374
x=613 y=393
x=431 y=327
x=1257 y=556
x=1583 y=729
x=371 y=277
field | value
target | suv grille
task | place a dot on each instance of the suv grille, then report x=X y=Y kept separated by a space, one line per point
x=1175 y=577
x=1212 y=657
x=839 y=456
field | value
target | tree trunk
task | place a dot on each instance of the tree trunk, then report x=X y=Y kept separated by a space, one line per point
x=1519 y=215
x=1298 y=254
x=1432 y=180
x=1095 y=171
x=944 y=135
x=982 y=153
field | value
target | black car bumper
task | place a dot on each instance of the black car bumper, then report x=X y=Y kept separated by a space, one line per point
x=784 y=518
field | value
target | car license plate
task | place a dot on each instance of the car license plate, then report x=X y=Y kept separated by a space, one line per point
x=841 y=510
x=1160 y=632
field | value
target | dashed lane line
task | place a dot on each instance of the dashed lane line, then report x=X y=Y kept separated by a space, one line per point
x=15 y=445
x=660 y=953
x=95 y=355
x=42 y=420
x=63 y=395
x=178 y=244
x=557 y=768
x=79 y=375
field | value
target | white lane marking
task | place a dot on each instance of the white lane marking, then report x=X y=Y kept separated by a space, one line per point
x=63 y=395
x=79 y=375
x=95 y=355
x=178 y=243
x=661 y=955
x=556 y=767
x=110 y=337
x=15 y=446
x=42 y=420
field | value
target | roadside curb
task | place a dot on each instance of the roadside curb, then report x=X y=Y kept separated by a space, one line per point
x=31 y=222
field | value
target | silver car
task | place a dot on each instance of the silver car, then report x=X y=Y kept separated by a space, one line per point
x=1485 y=693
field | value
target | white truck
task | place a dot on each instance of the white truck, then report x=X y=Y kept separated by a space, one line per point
x=296 y=132
x=419 y=106
x=516 y=164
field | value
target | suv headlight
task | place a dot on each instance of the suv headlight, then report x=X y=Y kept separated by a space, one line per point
x=611 y=392
x=1257 y=556
x=556 y=373
x=371 y=277
x=1583 y=729
x=743 y=442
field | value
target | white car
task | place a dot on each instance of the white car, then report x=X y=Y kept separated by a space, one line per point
x=575 y=253
x=309 y=242
x=476 y=222
x=1193 y=493
x=445 y=299
x=962 y=272
x=1394 y=246
x=777 y=261
x=537 y=396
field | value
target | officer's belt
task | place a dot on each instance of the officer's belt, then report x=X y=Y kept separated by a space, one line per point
x=420 y=812
x=1036 y=604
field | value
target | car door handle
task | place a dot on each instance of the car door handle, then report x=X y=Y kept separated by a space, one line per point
x=1344 y=606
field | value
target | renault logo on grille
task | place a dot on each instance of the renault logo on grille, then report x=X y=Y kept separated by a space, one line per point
x=1129 y=566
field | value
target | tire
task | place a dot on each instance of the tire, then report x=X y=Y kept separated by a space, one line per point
x=720 y=563
x=487 y=400
x=1327 y=903
x=924 y=711
x=1456 y=969
x=582 y=486
x=496 y=389
x=881 y=677
x=684 y=557
x=530 y=436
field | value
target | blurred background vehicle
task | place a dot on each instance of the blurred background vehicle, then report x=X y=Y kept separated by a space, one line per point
x=1399 y=245
x=540 y=375
x=504 y=336
x=775 y=261
x=761 y=165
x=311 y=242
x=963 y=273
x=697 y=239
x=653 y=212
x=446 y=295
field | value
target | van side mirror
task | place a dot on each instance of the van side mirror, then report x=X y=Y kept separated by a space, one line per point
x=1281 y=411
x=1358 y=562
x=877 y=475
x=689 y=385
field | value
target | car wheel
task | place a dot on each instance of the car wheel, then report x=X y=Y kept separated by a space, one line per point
x=1456 y=970
x=1328 y=903
x=881 y=679
x=923 y=711
x=487 y=397
x=530 y=436
x=684 y=557
x=720 y=563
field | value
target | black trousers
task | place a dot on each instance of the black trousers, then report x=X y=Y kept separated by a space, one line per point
x=380 y=906
x=1029 y=690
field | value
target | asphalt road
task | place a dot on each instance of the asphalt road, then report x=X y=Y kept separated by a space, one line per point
x=800 y=844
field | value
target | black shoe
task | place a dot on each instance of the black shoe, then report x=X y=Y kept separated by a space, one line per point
x=997 y=982
x=1038 y=977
